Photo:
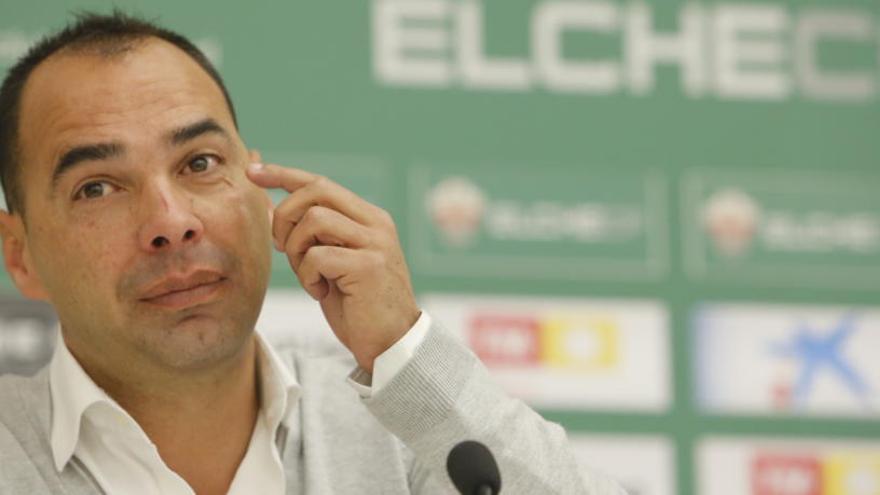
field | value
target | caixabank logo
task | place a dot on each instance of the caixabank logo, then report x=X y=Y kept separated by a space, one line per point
x=783 y=359
x=566 y=353
x=798 y=467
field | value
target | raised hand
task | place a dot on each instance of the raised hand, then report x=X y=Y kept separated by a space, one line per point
x=346 y=254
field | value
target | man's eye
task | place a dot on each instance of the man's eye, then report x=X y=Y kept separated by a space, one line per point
x=202 y=163
x=94 y=189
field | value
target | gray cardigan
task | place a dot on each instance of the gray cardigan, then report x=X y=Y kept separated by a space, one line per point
x=395 y=442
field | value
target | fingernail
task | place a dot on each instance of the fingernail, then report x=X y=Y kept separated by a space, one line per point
x=255 y=167
x=278 y=247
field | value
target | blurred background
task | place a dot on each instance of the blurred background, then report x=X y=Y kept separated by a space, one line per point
x=657 y=223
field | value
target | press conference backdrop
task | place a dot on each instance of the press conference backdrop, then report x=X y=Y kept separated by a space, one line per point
x=658 y=223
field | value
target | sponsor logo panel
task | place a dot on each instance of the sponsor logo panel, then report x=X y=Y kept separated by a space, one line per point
x=565 y=352
x=537 y=222
x=774 y=473
x=752 y=466
x=642 y=465
x=781 y=359
x=783 y=228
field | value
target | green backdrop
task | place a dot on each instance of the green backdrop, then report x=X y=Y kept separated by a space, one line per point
x=650 y=145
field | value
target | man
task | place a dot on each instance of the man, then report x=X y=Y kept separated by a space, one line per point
x=136 y=210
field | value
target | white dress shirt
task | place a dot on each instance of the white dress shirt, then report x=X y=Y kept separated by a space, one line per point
x=89 y=425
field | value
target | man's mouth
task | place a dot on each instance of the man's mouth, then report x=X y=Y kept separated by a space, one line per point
x=188 y=290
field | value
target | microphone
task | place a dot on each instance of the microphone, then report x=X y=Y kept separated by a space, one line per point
x=473 y=470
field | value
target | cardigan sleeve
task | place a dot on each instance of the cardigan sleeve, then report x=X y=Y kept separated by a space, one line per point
x=444 y=395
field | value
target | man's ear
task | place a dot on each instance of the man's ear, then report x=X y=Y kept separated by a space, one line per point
x=17 y=257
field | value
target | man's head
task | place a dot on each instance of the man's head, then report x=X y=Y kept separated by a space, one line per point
x=110 y=35
x=124 y=172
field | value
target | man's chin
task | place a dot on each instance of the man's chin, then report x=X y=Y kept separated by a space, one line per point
x=196 y=342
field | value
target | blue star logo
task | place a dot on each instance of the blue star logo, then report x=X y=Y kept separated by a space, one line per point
x=817 y=350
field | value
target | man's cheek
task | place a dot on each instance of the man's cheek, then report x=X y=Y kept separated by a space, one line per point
x=236 y=199
x=76 y=274
x=245 y=224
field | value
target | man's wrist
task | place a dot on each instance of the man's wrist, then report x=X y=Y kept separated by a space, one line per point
x=388 y=364
x=366 y=358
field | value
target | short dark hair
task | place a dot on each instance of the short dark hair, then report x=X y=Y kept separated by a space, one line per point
x=106 y=35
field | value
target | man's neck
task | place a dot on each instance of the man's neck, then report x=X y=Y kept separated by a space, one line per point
x=200 y=421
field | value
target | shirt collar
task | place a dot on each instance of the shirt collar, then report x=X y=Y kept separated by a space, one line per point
x=73 y=395
x=72 y=392
x=278 y=385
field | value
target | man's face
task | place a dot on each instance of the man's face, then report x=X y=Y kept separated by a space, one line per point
x=133 y=177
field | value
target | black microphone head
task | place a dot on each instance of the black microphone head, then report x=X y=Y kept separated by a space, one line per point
x=471 y=466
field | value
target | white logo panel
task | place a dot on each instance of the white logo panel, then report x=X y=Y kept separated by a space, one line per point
x=753 y=466
x=564 y=352
x=642 y=465
x=780 y=359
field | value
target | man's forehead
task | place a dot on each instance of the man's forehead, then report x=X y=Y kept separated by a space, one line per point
x=151 y=84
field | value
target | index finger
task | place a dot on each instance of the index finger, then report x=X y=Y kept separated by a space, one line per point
x=274 y=176
x=328 y=193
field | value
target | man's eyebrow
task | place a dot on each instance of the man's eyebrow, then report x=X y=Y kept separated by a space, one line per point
x=189 y=132
x=83 y=153
x=102 y=151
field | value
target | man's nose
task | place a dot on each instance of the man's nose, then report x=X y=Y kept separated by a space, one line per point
x=168 y=219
